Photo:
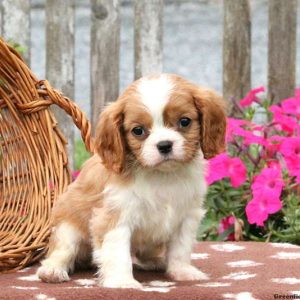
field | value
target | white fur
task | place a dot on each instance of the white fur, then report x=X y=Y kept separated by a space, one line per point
x=114 y=260
x=150 y=153
x=55 y=268
x=166 y=207
x=155 y=94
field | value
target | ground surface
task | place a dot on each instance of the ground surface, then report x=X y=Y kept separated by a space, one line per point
x=240 y=271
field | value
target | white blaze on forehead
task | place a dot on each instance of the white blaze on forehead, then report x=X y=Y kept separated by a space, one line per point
x=155 y=94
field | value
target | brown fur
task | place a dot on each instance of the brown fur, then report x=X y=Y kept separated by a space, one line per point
x=213 y=122
x=212 y=116
x=110 y=143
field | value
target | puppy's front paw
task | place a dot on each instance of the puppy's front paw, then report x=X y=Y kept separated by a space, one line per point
x=186 y=272
x=126 y=283
x=52 y=274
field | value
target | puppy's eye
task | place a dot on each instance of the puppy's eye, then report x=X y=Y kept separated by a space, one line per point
x=184 y=122
x=138 y=131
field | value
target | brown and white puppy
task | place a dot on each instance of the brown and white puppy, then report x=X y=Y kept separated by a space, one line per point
x=141 y=195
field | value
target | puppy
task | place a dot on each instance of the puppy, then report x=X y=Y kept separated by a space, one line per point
x=140 y=196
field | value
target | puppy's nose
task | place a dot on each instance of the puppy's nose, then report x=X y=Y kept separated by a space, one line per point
x=164 y=147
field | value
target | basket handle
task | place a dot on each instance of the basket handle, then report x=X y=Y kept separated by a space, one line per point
x=51 y=96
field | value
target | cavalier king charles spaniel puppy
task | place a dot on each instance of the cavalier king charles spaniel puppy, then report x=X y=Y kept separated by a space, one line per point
x=139 y=199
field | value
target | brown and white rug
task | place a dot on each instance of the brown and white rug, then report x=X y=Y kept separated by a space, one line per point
x=240 y=271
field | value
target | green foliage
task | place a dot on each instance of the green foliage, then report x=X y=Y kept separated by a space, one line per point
x=81 y=154
x=19 y=48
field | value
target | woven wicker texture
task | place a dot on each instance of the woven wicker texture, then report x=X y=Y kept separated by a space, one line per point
x=33 y=161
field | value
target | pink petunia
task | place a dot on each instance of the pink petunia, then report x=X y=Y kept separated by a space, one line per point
x=237 y=171
x=222 y=166
x=273 y=146
x=292 y=105
x=234 y=127
x=217 y=168
x=293 y=166
x=290 y=149
x=283 y=122
x=251 y=97
x=251 y=136
x=51 y=185
x=225 y=224
x=274 y=164
x=268 y=183
x=258 y=209
x=75 y=174
x=266 y=190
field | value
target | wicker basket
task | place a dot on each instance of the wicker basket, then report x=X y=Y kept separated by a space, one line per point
x=33 y=161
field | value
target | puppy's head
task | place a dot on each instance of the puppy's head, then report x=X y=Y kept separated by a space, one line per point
x=160 y=122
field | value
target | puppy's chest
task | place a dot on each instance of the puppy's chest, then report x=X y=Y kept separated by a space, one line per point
x=155 y=204
x=159 y=205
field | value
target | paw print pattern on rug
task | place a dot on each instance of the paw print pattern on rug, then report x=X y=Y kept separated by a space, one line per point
x=237 y=270
x=199 y=255
x=43 y=297
x=227 y=247
x=287 y=255
x=243 y=263
x=240 y=296
x=288 y=280
x=242 y=275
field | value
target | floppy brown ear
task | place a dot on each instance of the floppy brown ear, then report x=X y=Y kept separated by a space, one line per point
x=110 y=143
x=212 y=114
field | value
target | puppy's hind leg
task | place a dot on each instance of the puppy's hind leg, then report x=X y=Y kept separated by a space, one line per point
x=151 y=258
x=64 y=246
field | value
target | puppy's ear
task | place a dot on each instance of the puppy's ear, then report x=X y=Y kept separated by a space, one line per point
x=212 y=115
x=110 y=142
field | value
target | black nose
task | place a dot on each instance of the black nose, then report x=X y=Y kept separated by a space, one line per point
x=164 y=147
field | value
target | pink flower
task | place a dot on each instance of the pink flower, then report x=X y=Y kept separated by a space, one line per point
x=75 y=174
x=234 y=127
x=293 y=166
x=251 y=97
x=266 y=190
x=274 y=164
x=224 y=166
x=268 y=183
x=51 y=185
x=258 y=209
x=225 y=224
x=290 y=147
x=285 y=123
x=292 y=105
x=251 y=135
x=254 y=138
x=237 y=171
x=273 y=146
x=217 y=168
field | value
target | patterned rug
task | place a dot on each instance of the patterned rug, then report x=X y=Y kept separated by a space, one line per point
x=241 y=271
